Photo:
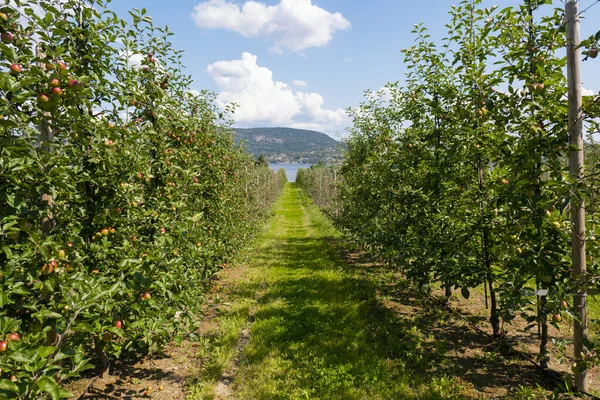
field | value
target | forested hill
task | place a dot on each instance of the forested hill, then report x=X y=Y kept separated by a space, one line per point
x=287 y=145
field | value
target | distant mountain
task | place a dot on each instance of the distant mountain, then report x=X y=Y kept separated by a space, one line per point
x=288 y=145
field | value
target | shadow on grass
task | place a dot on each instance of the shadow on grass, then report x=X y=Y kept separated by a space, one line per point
x=338 y=337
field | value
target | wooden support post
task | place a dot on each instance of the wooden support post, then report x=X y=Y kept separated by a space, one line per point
x=45 y=139
x=576 y=164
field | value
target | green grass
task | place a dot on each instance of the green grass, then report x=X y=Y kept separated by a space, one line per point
x=319 y=332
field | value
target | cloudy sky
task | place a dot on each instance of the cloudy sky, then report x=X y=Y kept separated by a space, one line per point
x=301 y=63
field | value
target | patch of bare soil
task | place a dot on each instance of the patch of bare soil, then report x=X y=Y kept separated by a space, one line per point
x=489 y=368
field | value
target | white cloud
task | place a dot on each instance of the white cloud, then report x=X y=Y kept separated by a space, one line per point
x=292 y=25
x=587 y=92
x=263 y=101
x=299 y=83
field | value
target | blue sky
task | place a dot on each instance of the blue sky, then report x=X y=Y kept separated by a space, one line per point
x=253 y=53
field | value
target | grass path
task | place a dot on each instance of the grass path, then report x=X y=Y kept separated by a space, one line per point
x=296 y=322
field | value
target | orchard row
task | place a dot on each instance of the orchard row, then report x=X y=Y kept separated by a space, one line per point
x=460 y=175
x=121 y=192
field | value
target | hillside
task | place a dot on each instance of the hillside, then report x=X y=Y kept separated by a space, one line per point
x=288 y=145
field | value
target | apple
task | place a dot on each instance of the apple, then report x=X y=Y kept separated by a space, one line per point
x=549 y=213
x=62 y=65
x=43 y=98
x=7 y=37
x=593 y=52
x=504 y=181
x=146 y=296
x=54 y=82
x=556 y=318
x=61 y=253
x=564 y=304
x=112 y=230
x=15 y=69
x=57 y=91
x=49 y=66
x=47 y=268
x=107 y=336
x=13 y=336
x=111 y=125
x=119 y=324
x=4 y=17
x=104 y=232
x=3 y=346
x=163 y=230
x=13 y=378
x=73 y=82
x=139 y=175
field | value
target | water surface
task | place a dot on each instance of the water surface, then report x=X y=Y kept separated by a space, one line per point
x=290 y=169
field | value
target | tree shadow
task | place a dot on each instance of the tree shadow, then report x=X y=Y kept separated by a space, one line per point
x=339 y=331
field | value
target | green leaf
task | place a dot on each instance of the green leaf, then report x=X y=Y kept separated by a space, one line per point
x=8 y=386
x=45 y=351
x=47 y=314
x=4 y=299
x=21 y=356
x=49 y=385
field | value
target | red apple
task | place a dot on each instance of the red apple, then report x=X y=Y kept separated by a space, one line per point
x=556 y=318
x=43 y=98
x=3 y=346
x=593 y=53
x=146 y=296
x=13 y=336
x=49 y=66
x=6 y=37
x=119 y=324
x=15 y=68
x=104 y=232
x=62 y=65
x=57 y=91
x=54 y=82
x=73 y=82
x=504 y=181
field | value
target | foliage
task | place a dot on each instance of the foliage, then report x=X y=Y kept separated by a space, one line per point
x=121 y=193
x=460 y=175
x=321 y=184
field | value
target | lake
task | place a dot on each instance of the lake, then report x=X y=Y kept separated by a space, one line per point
x=290 y=169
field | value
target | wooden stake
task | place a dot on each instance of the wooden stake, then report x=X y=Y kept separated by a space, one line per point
x=576 y=163
x=45 y=138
